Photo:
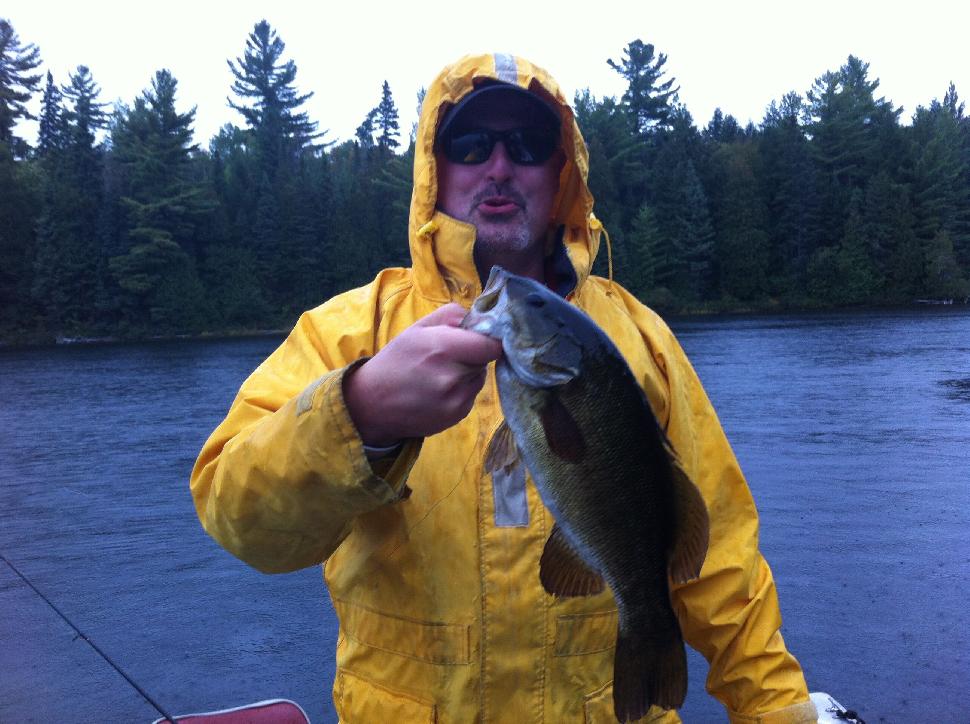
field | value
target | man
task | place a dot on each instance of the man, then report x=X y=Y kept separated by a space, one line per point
x=359 y=444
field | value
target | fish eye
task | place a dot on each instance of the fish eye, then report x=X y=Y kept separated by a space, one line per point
x=534 y=300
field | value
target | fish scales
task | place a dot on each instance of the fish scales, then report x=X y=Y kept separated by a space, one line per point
x=615 y=510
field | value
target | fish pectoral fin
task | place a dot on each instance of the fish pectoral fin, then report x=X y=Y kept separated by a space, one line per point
x=692 y=530
x=563 y=572
x=502 y=451
x=563 y=434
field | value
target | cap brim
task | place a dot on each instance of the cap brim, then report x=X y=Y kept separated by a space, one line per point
x=463 y=112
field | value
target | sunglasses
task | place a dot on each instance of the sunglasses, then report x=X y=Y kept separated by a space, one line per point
x=531 y=146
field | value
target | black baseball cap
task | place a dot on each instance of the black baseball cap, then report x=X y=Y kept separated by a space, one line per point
x=462 y=114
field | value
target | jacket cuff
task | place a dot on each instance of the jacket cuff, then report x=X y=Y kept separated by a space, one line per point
x=801 y=713
x=391 y=471
x=395 y=470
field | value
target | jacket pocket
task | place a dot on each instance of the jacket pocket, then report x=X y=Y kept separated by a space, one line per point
x=432 y=642
x=360 y=700
x=585 y=633
x=598 y=709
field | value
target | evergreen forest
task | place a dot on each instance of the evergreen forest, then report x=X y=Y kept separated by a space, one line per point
x=116 y=222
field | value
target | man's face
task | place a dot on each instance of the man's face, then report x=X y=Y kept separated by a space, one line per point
x=509 y=205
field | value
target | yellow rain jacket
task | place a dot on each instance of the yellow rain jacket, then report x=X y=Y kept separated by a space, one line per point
x=442 y=615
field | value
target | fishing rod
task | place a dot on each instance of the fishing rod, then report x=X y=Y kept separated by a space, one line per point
x=167 y=717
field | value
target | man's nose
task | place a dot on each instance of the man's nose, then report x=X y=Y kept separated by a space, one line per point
x=499 y=166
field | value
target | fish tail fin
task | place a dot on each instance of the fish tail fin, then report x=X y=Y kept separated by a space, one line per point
x=647 y=673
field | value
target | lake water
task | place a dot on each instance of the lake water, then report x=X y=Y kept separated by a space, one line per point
x=853 y=430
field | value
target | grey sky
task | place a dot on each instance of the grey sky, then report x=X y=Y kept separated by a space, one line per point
x=739 y=56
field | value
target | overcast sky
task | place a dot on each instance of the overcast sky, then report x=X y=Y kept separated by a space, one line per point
x=738 y=56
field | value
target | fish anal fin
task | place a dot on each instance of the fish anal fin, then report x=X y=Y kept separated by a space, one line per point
x=502 y=451
x=562 y=432
x=563 y=572
x=692 y=529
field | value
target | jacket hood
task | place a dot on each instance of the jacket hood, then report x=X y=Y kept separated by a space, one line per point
x=441 y=247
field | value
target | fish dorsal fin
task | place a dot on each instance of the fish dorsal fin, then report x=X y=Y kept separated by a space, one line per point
x=562 y=571
x=692 y=529
x=502 y=451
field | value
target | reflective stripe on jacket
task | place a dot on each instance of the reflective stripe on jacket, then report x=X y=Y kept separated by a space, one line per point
x=442 y=615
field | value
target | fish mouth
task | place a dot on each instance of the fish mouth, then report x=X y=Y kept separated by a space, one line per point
x=486 y=312
x=497 y=277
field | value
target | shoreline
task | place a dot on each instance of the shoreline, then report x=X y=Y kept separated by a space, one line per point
x=39 y=340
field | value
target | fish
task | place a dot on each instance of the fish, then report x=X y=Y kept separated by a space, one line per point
x=627 y=513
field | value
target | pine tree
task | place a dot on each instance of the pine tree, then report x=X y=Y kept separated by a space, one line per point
x=386 y=119
x=262 y=77
x=162 y=209
x=680 y=201
x=844 y=274
x=617 y=161
x=617 y=177
x=897 y=255
x=70 y=267
x=944 y=277
x=789 y=183
x=51 y=134
x=228 y=268
x=941 y=173
x=354 y=232
x=281 y=136
x=741 y=253
x=648 y=260
x=19 y=210
x=17 y=84
x=18 y=186
x=85 y=114
x=722 y=129
x=647 y=98
x=848 y=125
x=365 y=131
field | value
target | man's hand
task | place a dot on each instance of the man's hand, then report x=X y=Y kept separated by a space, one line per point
x=424 y=381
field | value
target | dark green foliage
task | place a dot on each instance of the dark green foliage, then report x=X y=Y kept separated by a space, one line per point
x=52 y=131
x=266 y=81
x=646 y=99
x=271 y=169
x=17 y=84
x=161 y=211
x=617 y=159
x=365 y=131
x=69 y=264
x=682 y=209
x=828 y=201
x=649 y=259
x=789 y=181
x=84 y=114
x=380 y=126
x=944 y=277
x=20 y=196
x=848 y=126
x=387 y=121
x=940 y=173
x=844 y=274
x=723 y=129
x=741 y=249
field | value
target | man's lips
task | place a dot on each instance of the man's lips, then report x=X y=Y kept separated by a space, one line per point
x=497 y=206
